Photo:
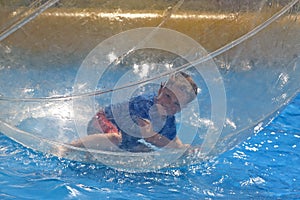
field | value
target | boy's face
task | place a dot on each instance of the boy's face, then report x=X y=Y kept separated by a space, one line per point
x=171 y=99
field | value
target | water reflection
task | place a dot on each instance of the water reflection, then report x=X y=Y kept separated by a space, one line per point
x=137 y=15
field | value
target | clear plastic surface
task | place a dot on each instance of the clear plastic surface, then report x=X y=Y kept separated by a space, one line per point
x=60 y=61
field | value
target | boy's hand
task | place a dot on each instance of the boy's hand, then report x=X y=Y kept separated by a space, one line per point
x=146 y=128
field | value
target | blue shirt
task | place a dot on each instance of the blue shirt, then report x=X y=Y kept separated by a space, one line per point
x=139 y=107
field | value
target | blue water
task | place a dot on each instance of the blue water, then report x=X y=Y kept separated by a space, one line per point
x=266 y=166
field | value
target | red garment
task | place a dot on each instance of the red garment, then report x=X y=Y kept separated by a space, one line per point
x=102 y=124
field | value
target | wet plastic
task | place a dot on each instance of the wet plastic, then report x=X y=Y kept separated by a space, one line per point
x=246 y=66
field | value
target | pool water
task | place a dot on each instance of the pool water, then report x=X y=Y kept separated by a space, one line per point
x=266 y=166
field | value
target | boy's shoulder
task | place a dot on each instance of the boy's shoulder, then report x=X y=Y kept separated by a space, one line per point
x=140 y=103
x=143 y=98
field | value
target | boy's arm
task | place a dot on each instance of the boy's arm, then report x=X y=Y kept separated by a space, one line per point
x=161 y=141
x=156 y=138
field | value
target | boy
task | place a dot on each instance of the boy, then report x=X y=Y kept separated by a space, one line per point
x=151 y=117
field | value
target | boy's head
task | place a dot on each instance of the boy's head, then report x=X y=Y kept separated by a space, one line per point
x=177 y=92
x=185 y=83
